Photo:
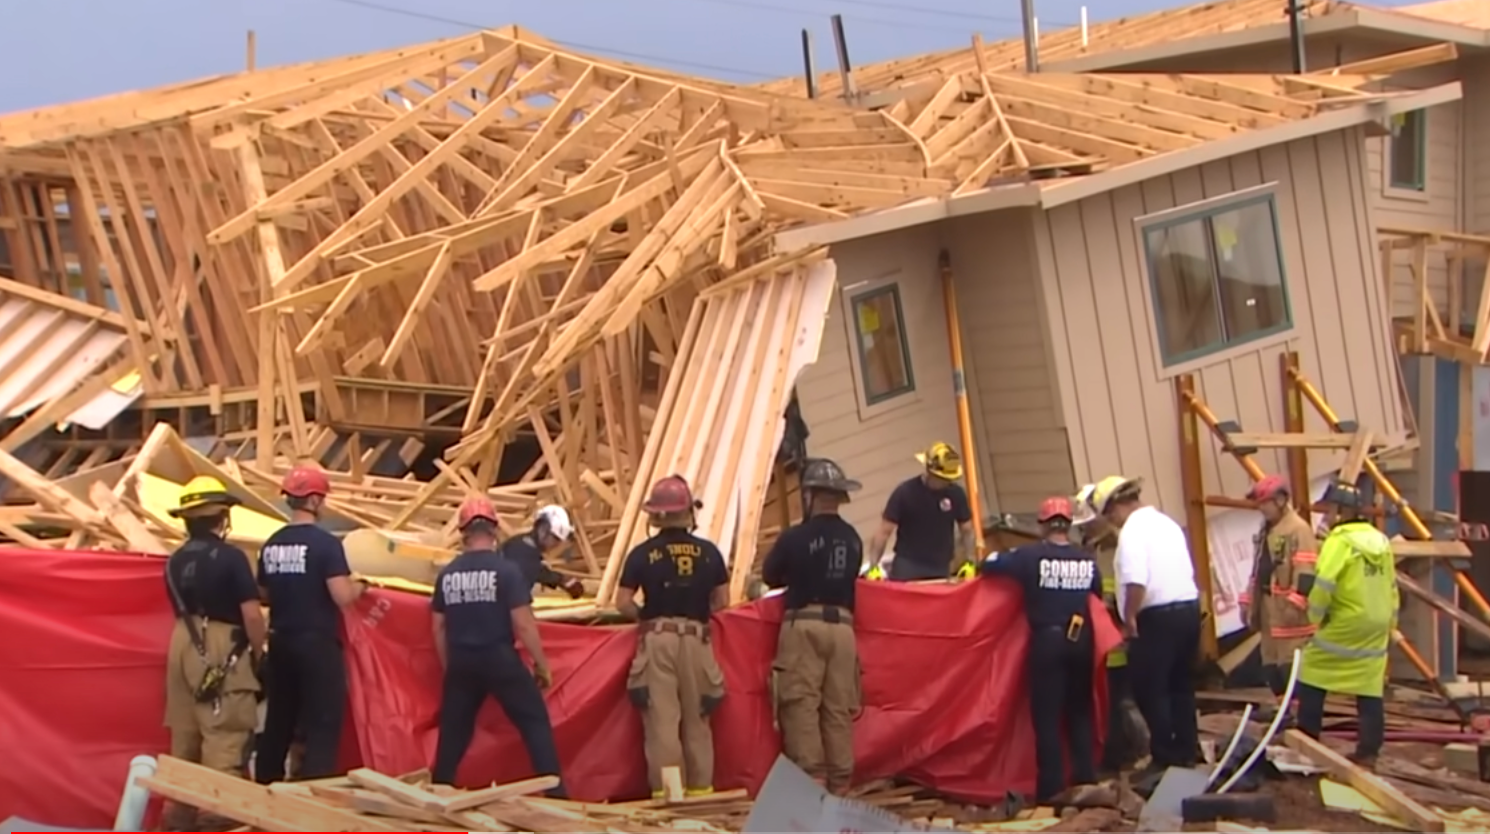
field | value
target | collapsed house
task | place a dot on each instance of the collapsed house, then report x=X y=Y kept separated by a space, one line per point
x=476 y=265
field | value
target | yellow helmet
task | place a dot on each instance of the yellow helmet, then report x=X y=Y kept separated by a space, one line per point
x=203 y=495
x=941 y=461
x=1082 y=510
x=1104 y=491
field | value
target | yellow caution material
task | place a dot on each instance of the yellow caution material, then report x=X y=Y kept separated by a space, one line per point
x=161 y=496
x=1117 y=658
x=1340 y=797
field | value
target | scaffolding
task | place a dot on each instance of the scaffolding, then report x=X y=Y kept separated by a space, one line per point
x=1361 y=448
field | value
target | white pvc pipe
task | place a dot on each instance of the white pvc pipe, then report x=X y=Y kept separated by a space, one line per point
x=1262 y=746
x=131 y=816
x=1083 y=27
x=1236 y=738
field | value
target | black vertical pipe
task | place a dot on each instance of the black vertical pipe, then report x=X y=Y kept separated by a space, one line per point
x=1296 y=35
x=807 y=65
x=1031 y=37
x=845 y=69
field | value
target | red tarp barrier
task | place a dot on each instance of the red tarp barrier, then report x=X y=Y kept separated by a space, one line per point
x=82 y=668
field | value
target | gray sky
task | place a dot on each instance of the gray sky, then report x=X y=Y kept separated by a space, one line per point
x=132 y=44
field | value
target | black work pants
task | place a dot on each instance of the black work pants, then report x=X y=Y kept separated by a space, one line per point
x=1118 y=749
x=471 y=676
x=306 y=698
x=1061 y=699
x=1160 y=663
x=1371 y=719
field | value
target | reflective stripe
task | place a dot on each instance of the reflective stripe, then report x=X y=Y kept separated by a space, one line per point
x=1292 y=631
x=1245 y=599
x=1341 y=651
x=1305 y=557
x=1324 y=584
x=1298 y=599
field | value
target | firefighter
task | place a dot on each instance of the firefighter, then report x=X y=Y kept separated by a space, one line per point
x=1353 y=604
x=1159 y=603
x=307 y=583
x=217 y=641
x=481 y=602
x=816 y=674
x=1276 y=603
x=930 y=519
x=551 y=530
x=1125 y=731
x=1059 y=579
x=675 y=680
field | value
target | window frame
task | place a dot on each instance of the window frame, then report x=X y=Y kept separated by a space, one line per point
x=1408 y=190
x=1169 y=366
x=850 y=297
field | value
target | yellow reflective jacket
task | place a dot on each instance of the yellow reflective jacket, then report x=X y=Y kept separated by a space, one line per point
x=1353 y=604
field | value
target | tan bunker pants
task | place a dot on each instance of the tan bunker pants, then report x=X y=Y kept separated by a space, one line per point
x=816 y=679
x=677 y=684
x=214 y=735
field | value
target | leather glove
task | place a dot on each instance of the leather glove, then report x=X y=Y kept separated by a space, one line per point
x=573 y=587
x=711 y=703
x=544 y=676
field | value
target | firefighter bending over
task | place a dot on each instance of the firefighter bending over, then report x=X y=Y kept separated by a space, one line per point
x=1059 y=580
x=816 y=673
x=675 y=680
x=216 y=643
x=551 y=531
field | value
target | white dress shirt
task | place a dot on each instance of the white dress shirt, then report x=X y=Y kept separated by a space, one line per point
x=1152 y=552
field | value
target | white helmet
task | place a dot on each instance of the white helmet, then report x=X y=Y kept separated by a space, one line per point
x=1084 y=512
x=558 y=521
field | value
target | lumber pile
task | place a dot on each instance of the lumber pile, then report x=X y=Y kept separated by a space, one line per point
x=471 y=266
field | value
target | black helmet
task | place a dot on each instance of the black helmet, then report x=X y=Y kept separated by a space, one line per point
x=1344 y=495
x=822 y=473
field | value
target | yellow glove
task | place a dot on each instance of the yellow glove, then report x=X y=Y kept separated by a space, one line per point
x=967 y=571
x=875 y=573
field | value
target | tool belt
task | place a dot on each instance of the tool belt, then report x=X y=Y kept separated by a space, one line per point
x=678 y=626
x=832 y=614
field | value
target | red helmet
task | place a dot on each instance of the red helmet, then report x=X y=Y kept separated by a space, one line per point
x=1271 y=486
x=476 y=508
x=671 y=495
x=1056 y=507
x=304 y=481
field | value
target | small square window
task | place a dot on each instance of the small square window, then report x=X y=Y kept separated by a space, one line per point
x=1217 y=279
x=1408 y=157
x=884 y=354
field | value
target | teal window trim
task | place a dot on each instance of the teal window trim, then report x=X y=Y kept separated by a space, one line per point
x=892 y=290
x=1415 y=123
x=1204 y=216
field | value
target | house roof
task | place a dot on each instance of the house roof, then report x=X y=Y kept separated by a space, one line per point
x=1168 y=33
x=447 y=175
x=1472 y=13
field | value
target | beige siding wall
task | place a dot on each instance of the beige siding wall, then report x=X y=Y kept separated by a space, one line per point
x=877 y=449
x=1441 y=204
x=1003 y=330
x=1102 y=329
x=1475 y=75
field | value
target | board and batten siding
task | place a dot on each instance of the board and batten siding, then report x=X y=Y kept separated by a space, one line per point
x=1016 y=407
x=1475 y=75
x=879 y=450
x=1120 y=407
x=1440 y=206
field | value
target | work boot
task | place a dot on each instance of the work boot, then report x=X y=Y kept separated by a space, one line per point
x=178 y=817
x=1366 y=761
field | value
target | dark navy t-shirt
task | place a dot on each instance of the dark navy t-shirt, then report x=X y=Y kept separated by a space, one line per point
x=677 y=573
x=817 y=562
x=294 y=565
x=477 y=593
x=926 y=522
x=1058 y=580
x=525 y=553
x=212 y=578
